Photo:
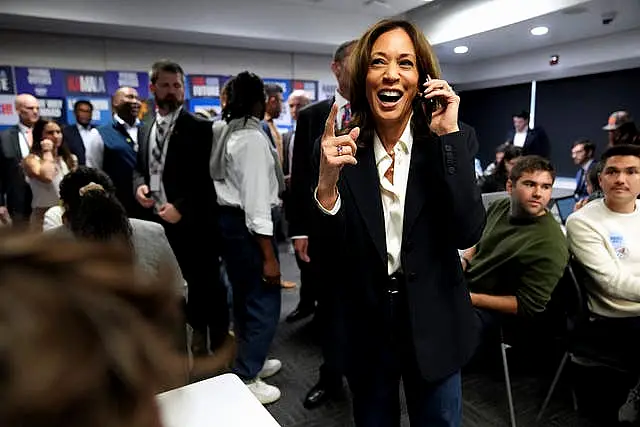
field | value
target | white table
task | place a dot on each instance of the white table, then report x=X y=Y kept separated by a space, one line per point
x=222 y=401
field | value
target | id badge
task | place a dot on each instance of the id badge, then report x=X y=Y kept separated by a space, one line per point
x=154 y=182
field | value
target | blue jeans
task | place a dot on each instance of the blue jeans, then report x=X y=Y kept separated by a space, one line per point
x=256 y=305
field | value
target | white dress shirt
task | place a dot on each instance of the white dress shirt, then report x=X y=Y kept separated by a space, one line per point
x=392 y=195
x=341 y=101
x=22 y=140
x=251 y=183
x=95 y=147
x=86 y=134
x=520 y=138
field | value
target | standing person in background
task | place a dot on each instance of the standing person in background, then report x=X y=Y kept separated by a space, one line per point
x=531 y=140
x=172 y=184
x=114 y=147
x=622 y=130
x=79 y=135
x=247 y=176
x=393 y=255
x=309 y=128
x=49 y=161
x=582 y=154
x=15 y=145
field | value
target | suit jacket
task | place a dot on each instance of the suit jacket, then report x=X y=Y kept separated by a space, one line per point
x=581 y=181
x=309 y=127
x=75 y=143
x=537 y=142
x=286 y=143
x=186 y=179
x=15 y=193
x=443 y=212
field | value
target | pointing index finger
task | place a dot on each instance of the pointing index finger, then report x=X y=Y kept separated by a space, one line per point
x=330 y=124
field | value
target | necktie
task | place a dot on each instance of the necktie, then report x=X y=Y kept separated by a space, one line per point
x=346 y=117
x=389 y=173
x=161 y=130
x=29 y=137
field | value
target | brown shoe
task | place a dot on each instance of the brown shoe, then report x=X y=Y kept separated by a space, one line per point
x=217 y=363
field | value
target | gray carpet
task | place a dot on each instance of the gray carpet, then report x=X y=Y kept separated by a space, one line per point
x=484 y=393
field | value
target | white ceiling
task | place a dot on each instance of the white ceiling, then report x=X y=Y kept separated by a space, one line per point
x=583 y=22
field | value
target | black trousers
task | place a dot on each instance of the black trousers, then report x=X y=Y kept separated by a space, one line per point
x=207 y=299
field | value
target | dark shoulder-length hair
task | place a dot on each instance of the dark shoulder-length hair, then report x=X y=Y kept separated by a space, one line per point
x=427 y=64
x=38 y=136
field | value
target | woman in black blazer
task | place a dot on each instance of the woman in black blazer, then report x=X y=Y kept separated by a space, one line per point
x=396 y=198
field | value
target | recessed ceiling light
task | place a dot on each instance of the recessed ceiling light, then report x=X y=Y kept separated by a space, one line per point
x=461 y=49
x=539 y=31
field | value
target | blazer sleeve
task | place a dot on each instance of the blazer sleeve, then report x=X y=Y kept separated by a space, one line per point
x=299 y=209
x=468 y=216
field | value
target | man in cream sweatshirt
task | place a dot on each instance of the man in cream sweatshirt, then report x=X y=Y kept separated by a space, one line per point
x=604 y=236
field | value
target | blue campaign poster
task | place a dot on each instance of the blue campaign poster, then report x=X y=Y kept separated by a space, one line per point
x=8 y=114
x=206 y=86
x=85 y=83
x=284 y=121
x=40 y=82
x=211 y=105
x=53 y=108
x=309 y=86
x=101 y=110
x=7 y=84
x=136 y=80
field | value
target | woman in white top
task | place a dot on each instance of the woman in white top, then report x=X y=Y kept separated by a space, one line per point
x=49 y=161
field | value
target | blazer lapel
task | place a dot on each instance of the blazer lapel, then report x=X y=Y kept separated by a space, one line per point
x=365 y=186
x=143 y=142
x=15 y=140
x=417 y=183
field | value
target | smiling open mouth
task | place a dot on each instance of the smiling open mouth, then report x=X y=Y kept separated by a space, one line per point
x=389 y=96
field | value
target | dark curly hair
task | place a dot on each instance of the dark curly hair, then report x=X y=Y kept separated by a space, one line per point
x=245 y=97
x=93 y=211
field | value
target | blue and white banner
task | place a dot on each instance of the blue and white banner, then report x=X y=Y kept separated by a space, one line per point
x=137 y=80
x=53 y=109
x=40 y=82
x=101 y=110
x=85 y=83
x=7 y=83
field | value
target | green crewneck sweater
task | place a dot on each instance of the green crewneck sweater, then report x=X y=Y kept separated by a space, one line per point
x=524 y=257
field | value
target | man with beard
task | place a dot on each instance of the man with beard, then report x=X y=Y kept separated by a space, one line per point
x=114 y=146
x=171 y=182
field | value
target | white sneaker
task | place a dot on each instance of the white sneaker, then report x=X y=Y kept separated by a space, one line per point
x=629 y=411
x=264 y=392
x=270 y=368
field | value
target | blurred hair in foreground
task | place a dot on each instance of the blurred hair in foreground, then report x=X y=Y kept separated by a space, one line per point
x=84 y=341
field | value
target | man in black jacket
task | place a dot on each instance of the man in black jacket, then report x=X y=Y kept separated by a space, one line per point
x=172 y=183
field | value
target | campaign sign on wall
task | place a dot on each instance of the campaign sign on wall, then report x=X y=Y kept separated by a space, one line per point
x=284 y=121
x=205 y=86
x=7 y=84
x=8 y=114
x=53 y=108
x=101 y=110
x=41 y=82
x=309 y=86
x=86 y=83
x=210 y=105
x=327 y=89
x=136 y=80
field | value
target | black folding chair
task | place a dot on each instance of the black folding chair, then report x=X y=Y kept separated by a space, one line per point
x=578 y=348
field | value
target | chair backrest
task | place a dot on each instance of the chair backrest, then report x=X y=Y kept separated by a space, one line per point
x=489 y=198
x=565 y=207
x=569 y=298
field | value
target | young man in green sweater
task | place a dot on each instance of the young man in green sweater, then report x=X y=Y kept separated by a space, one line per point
x=522 y=253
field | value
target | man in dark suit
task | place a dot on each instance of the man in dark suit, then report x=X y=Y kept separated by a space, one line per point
x=15 y=144
x=582 y=154
x=78 y=136
x=297 y=100
x=533 y=141
x=309 y=128
x=172 y=183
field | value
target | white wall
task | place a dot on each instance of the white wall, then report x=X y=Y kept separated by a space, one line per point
x=85 y=53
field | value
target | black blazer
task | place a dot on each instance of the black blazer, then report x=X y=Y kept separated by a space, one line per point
x=443 y=212
x=15 y=193
x=286 y=143
x=75 y=143
x=309 y=128
x=537 y=142
x=186 y=179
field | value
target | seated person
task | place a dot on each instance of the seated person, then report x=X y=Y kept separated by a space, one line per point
x=604 y=236
x=102 y=335
x=497 y=181
x=593 y=186
x=522 y=253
